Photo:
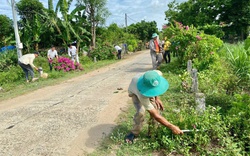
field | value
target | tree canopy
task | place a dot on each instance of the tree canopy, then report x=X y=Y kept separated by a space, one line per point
x=6 y=30
x=232 y=15
x=96 y=12
x=143 y=30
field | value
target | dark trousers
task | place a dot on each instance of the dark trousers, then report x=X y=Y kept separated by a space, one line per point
x=119 y=55
x=165 y=55
x=27 y=69
x=50 y=66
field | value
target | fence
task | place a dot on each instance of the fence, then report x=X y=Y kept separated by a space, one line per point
x=199 y=97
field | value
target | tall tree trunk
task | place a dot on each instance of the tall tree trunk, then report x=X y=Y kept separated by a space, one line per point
x=93 y=28
x=93 y=33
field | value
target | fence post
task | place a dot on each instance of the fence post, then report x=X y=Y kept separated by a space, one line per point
x=200 y=101
x=194 y=75
x=95 y=59
x=189 y=67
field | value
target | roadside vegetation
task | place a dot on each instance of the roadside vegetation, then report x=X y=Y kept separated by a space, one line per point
x=224 y=78
x=222 y=129
x=41 y=27
x=213 y=34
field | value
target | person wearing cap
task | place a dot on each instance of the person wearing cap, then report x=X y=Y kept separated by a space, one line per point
x=155 y=51
x=26 y=63
x=72 y=52
x=52 y=53
x=144 y=90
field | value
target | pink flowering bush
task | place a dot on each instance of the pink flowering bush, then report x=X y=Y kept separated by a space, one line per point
x=188 y=43
x=66 y=65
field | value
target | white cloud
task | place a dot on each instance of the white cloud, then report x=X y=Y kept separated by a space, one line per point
x=155 y=3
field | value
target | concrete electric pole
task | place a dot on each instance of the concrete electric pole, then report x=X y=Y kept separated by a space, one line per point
x=19 y=45
x=126 y=21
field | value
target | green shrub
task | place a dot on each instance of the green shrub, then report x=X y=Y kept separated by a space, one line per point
x=130 y=48
x=213 y=136
x=238 y=119
x=239 y=60
x=219 y=78
x=103 y=52
x=188 y=43
x=7 y=60
x=247 y=44
x=212 y=29
x=132 y=44
x=14 y=74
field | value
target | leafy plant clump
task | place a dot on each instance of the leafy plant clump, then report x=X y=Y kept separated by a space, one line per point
x=8 y=59
x=239 y=61
x=66 y=65
x=103 y=52
x=210 y=134
x=188 y=43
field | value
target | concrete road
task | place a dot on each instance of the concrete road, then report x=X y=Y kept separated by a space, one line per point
x=70 y=118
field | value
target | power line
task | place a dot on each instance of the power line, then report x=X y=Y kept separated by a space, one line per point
x=132 y=19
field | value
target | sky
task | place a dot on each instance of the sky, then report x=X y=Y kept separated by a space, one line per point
x=136 y=10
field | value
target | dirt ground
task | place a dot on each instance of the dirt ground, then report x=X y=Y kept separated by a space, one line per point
x=70 y=118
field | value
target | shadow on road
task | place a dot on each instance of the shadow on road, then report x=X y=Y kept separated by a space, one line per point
x=97 y=132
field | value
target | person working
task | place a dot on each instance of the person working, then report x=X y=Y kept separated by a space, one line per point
x=26 y=63
x=52 y=53
x=72 y=52
x=155 y=51
x=119 y=51
x=144 y=90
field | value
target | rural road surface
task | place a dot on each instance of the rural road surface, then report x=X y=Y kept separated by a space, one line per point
x=70 y=118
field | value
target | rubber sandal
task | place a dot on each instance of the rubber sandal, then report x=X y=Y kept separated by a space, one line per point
x=129 y=137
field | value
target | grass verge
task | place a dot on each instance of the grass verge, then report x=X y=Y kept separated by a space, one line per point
x=217 y=134
x=14 y=89
x=172 y=99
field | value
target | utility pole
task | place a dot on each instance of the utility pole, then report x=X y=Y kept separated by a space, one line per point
x=126 y=21
x=19 y=45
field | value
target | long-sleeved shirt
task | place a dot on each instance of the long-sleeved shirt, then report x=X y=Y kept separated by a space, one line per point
x=72 y=51
x=152 y=45
x=28 y=59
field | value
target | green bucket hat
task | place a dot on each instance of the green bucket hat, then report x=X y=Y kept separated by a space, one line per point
x=154 y=35
x=151 y=84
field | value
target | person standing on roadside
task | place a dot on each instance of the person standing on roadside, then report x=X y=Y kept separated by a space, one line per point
x=166 y=47
x=145 y=90
x=52 y=53
x=119 y=51
x=72 y=52
x=155 y=51
x=26 y=63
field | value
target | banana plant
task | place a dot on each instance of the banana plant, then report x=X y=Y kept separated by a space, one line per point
x=70 y=25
